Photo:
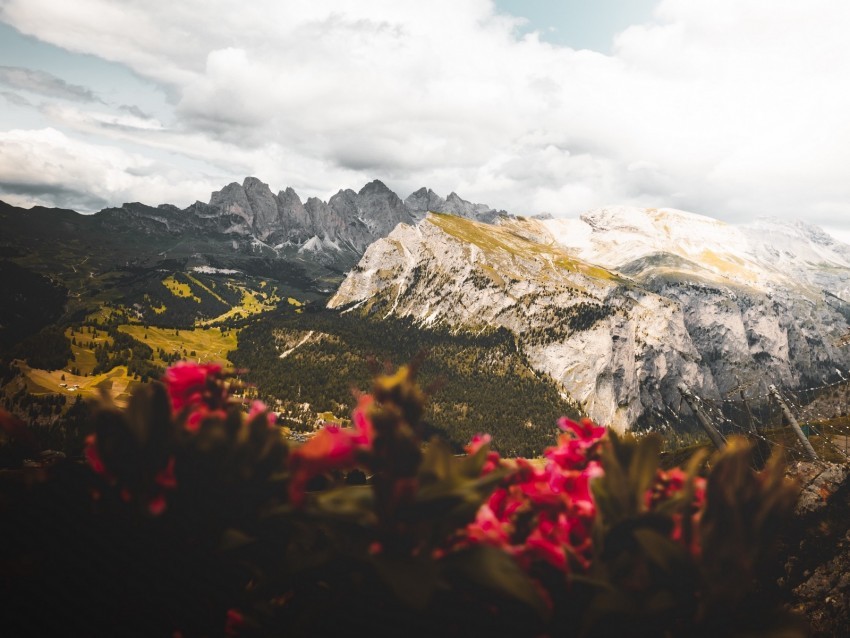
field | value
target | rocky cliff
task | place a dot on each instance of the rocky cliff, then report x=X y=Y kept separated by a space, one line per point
x=624 y=305
x=348 y=221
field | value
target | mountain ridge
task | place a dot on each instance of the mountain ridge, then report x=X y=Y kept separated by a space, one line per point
x=619 y=324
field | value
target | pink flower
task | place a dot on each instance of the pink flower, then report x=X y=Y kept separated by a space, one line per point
x=585 y=430
x=667 y=485
x=333 y=447
x=493 y=459
x=545 y=514
x=362 y=423
x=189 y=385
x=477 y=442
x=487 y=528
x=258 y=408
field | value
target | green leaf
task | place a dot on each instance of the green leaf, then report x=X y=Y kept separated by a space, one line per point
x=471 y=465
x=660 y=550
x=234 y=539
x=354 y=503
x=438 y=464
x=615 y=487
x=492 y=568
x=643 y=465
x=413 y=580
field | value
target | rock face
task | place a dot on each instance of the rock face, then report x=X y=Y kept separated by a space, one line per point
x=624 y=305
x=425 y=200
x=346 y=224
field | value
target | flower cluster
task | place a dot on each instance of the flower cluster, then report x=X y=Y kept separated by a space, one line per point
x=544 y=513
x=137 y=458
x=671 y=484
x=332 y=448
x=595 y=538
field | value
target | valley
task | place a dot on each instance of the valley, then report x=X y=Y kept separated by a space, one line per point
x=522 y=319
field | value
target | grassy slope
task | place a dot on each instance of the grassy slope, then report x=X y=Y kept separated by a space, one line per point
x=84 y=358
x=116 y=382
x=209 y=345
x=501 y=239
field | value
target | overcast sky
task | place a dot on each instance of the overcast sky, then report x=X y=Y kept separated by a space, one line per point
x=732 y=108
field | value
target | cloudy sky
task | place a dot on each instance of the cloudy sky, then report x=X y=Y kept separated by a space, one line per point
x=732 y=108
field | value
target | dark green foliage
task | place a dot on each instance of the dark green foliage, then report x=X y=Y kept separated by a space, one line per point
x=562 y=322
x=206 y=530
x=28 y=302
x=125 y=351
x=50 y=349
x=179 y=311
x=489 y=386
x=715 y=575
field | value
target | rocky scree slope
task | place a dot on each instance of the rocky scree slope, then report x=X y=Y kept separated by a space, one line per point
x=618 y=312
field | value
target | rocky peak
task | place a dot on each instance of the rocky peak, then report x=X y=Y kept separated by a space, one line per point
x=375 y=187
x=264 y=209
x=232 y=200
x=424 y=200
x=376 y=206
x=297 y=223
x=349 y=218
x=459 y=206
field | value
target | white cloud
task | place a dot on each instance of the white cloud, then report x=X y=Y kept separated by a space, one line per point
x=46 y=167
x=734 y=108
x=44 y=83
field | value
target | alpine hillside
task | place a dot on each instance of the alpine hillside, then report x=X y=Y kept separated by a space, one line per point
x=624 y=306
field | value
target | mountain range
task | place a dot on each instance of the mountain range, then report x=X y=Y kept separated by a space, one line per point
x=347 y=223
x=620 y=307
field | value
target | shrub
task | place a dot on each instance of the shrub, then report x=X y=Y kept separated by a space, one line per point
x=193 y=518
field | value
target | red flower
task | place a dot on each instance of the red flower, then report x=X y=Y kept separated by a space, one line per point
x=234 y=622
x=333 y=447
x=493 y=458
x=545 y=514
x=93 y=456
x=189 y=385
x=156 y=505
x=165 y=477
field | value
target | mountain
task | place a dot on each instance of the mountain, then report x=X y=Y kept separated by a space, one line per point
x=348 y=221
x=120 y=255
x=625 y=305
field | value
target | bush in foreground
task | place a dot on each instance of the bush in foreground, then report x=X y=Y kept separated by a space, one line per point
x=191 y=518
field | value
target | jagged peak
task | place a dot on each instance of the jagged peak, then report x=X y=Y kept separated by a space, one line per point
x=289 y=194
x=375 y=186
x=229 y=187
x=252 y=181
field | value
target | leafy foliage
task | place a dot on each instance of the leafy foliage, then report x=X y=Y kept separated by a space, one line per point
x=49 y=349
x=195 y=518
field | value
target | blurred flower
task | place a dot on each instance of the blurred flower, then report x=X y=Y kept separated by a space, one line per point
x=194 y=384
x=332 y=448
